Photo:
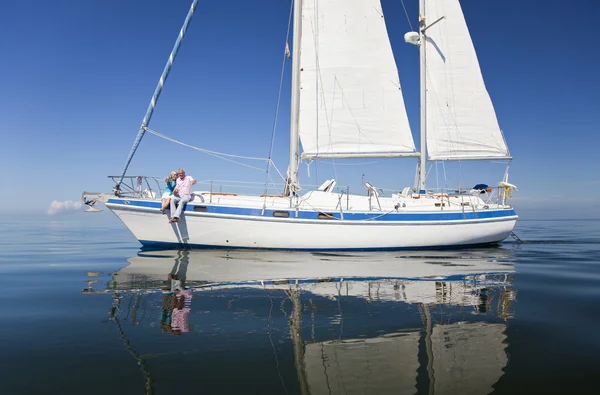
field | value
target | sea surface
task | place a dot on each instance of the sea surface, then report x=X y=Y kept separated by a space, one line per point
x=85 y=310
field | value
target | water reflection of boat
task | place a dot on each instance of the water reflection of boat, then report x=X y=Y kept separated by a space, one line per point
x=358 y=323
x=423 y=277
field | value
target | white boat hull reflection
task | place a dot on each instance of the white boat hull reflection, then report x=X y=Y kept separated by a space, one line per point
x=419 y=277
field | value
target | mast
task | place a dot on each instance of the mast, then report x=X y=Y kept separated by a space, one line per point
x=423 y=123
x=295 y=110
x=157 y=92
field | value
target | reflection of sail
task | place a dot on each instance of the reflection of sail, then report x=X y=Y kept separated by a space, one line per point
x=468 y=358
x=382 y=365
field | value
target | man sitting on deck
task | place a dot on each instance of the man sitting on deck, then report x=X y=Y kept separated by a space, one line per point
x=182 y=194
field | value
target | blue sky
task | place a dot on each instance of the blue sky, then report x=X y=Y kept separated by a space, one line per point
x=77 y=77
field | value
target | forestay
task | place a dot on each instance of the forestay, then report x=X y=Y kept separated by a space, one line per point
x=461 y=121
x=351 y=103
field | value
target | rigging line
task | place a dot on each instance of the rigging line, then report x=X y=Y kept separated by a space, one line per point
x=449 y=85
x=406 y=13
x=113 y=316
x=330 y=126
x=445 y=175
x=269 y=321
x=154 y=132
x=437 y=174
x=319 y=78
x=212 y=153
x=157 y=92
x=345 y=99
x=285 y=55
x=318 y=81
x=453 y=123
x=335 y=171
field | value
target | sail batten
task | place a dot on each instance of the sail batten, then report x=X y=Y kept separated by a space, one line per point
x=461 y=120
x=351 y=100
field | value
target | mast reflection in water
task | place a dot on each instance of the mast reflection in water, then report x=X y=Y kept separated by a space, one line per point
x=312 y=323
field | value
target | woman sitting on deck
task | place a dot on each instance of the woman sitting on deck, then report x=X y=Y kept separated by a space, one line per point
x=171 y=181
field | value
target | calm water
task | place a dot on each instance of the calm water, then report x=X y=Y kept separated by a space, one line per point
x=85 y=310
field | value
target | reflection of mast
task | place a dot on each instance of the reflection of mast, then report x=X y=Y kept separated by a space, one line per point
x=426 y=318
x=295 y=322
x=507 y=296
x=140 y=361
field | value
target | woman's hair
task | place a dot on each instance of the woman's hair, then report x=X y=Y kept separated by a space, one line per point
x=168 y=178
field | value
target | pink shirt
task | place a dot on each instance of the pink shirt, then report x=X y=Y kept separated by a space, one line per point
x=179 y=317
x=184 y=186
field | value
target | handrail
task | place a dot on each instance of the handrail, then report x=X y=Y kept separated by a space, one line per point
x=146 y=187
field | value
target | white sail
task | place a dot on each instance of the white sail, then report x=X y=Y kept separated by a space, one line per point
x=461 y=121
x=351 y=103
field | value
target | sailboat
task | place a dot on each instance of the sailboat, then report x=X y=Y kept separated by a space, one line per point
x=347 y=103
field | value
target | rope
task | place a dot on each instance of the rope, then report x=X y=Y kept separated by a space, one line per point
x=154 y=132
x=285 y=55
x=219 y=155
x=406 y=13
x=157 y=91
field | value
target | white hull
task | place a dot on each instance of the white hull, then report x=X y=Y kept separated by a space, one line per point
x=235 y=230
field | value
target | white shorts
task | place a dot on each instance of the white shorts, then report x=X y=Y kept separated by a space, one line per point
x=166 y=195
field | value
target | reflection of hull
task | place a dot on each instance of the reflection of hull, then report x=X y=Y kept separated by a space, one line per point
x=433 y=277
x=247 y=225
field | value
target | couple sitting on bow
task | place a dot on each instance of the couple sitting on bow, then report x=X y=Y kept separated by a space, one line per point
x=177 y=193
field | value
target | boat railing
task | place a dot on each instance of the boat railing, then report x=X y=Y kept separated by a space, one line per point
x=252 y=188
x=146 y=187
x=489 y=195
x=139 y=187
x=241 y=187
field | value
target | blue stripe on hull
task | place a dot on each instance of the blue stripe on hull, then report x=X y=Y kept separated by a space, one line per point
x=158 y=245
x=312 y=215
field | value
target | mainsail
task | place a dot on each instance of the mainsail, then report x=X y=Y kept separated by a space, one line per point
x=461 y=121
x=351 y=102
